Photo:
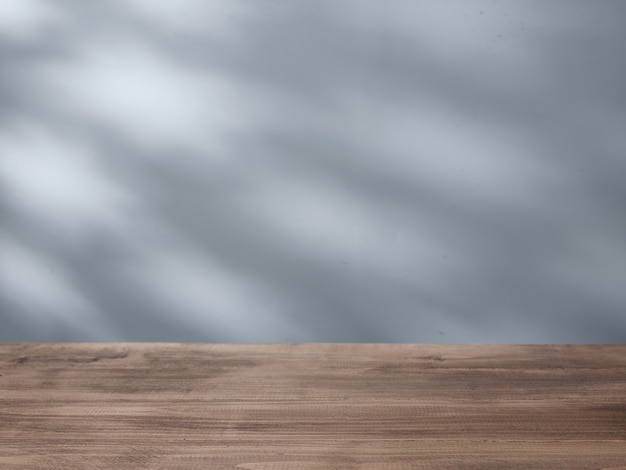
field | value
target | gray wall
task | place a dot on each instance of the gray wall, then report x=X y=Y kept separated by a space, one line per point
x=323 y=170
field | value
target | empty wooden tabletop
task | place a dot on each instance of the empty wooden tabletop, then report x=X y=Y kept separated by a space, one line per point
x=312 y=406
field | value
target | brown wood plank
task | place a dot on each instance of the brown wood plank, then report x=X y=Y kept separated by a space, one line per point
x=311 y=406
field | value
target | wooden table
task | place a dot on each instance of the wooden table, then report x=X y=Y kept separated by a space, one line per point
x=311 y=406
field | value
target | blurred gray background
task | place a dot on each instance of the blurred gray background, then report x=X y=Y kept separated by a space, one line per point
x=317 y=170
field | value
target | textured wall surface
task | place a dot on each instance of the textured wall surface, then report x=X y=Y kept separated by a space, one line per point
x=327 y=170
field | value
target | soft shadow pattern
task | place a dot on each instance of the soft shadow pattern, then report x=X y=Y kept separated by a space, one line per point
x=313 y=171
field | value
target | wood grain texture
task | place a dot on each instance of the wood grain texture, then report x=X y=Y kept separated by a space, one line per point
x=311 y=406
